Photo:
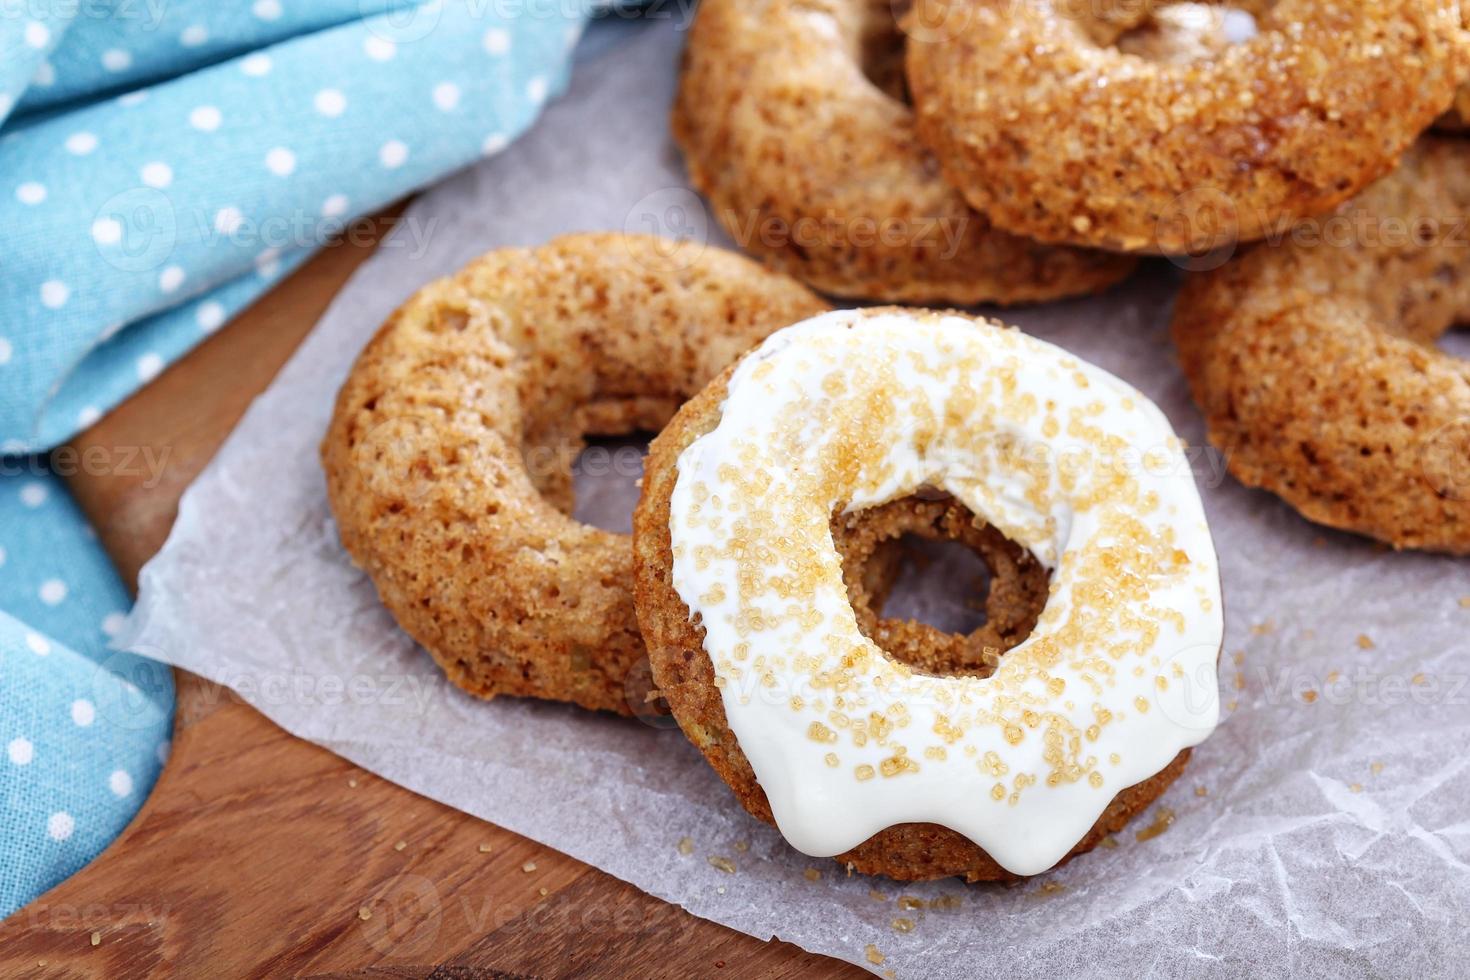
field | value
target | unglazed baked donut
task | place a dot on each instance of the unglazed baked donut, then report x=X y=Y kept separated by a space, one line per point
x=1457 y=120
x=1315 y=363
x=813 y=166
x=1045 y=122
x=448 y=459
x=986 y=767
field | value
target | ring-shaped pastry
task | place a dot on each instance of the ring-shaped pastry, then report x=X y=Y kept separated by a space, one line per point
x=901 y=769
x=449 y=455
x=815 y=167
x=1046 y=122
x=1314 y=360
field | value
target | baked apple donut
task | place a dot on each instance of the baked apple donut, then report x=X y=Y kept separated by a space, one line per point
x=1315 y=363
x=933 y=767
x=1046 y=123
x=448 y=459
x=1457 y=119
x=813 y=166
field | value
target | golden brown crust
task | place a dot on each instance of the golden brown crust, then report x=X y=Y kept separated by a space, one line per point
x=1315 y=366
x=448 y=455
x=1045 y=123
x=685 y=675
x=1457 y=120
x=816 y=169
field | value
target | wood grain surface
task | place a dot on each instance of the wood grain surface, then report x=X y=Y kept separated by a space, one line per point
x=258 y=854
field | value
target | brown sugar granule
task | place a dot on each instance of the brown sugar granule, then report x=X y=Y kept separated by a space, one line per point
x=874 y=957
x=1163 y=820
x=686 y=846
x=96 y=939
x=364 y=913
x=528 y=867
x=902 y=925
x=812 y=874
x=484 y=848
x=400 y=845
x=721 y=863
x=1365 y=642
x=1309 y=696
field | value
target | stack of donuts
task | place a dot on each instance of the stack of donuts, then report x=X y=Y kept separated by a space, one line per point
x=957 y=152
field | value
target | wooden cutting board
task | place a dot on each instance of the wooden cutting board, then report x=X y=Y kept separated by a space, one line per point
x=259 y=854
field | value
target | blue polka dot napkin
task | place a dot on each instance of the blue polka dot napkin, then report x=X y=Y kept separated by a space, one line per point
x=83 y=730
x=232 y=141
x=161 y=165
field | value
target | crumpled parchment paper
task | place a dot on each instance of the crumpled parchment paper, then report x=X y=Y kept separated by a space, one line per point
x=1324 y=829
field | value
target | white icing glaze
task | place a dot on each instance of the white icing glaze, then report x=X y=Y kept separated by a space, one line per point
x=853 y=409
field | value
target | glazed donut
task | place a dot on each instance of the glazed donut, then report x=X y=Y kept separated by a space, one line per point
x=1044 y=120
x=448 y=458
x=988 y=767
x=814 y=167
x=1315 y=363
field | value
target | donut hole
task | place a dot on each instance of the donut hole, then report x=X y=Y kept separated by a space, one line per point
x=881 y=49
x=586 y=461
x=935 y=588
x=1456 y=343
x=937 y=582
x=1179 y=33
x=605 y=480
